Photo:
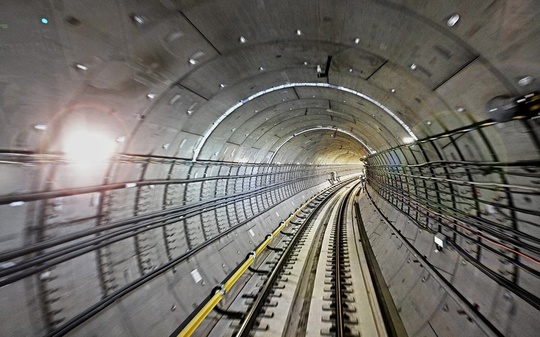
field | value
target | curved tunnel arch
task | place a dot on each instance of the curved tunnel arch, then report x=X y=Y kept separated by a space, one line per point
x=328 y=128
x=182 y=183
x=322 y=148
x=245 y=125
x=232 y=109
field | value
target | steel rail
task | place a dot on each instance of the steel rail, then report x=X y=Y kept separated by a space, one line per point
x=339 y=320
x=250 y=317
x=121 y=292
x=193 y=321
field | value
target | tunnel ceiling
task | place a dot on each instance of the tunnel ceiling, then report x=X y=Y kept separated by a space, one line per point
x=282 y=81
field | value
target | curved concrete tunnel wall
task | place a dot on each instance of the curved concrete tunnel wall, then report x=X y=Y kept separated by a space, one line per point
x=157 y=79
x=150 y=217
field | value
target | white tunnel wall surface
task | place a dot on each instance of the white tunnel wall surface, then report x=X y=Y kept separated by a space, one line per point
x=164 y=302
x=482 y=198
x=425 y=307
x=216 y=111
x=151 y=214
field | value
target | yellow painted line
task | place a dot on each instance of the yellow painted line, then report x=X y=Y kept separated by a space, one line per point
x=199 y=318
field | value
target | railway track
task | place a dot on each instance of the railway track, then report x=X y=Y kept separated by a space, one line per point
x=340 y=268
x=314 y=281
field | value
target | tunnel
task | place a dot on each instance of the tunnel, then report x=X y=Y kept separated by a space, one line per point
x=150 y=150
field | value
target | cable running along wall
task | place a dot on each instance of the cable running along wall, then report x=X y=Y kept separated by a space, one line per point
x=128 y=222
x=484 y=199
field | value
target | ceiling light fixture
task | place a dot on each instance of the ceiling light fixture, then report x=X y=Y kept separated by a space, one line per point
x=453 y=20
x=408 y=140
x=194 y=59
x=174 y=99
x=524 y=81
x=191 y=108
x=174 y=35
x=138 y=19
x=81 y=67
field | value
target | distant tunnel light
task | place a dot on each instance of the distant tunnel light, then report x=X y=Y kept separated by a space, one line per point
x=85 y=147
x=408 y=140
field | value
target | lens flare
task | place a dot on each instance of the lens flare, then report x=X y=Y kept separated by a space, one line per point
x=85 y=147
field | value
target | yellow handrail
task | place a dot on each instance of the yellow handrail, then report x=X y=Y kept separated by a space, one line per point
x=239 y=272
x=201 y=315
